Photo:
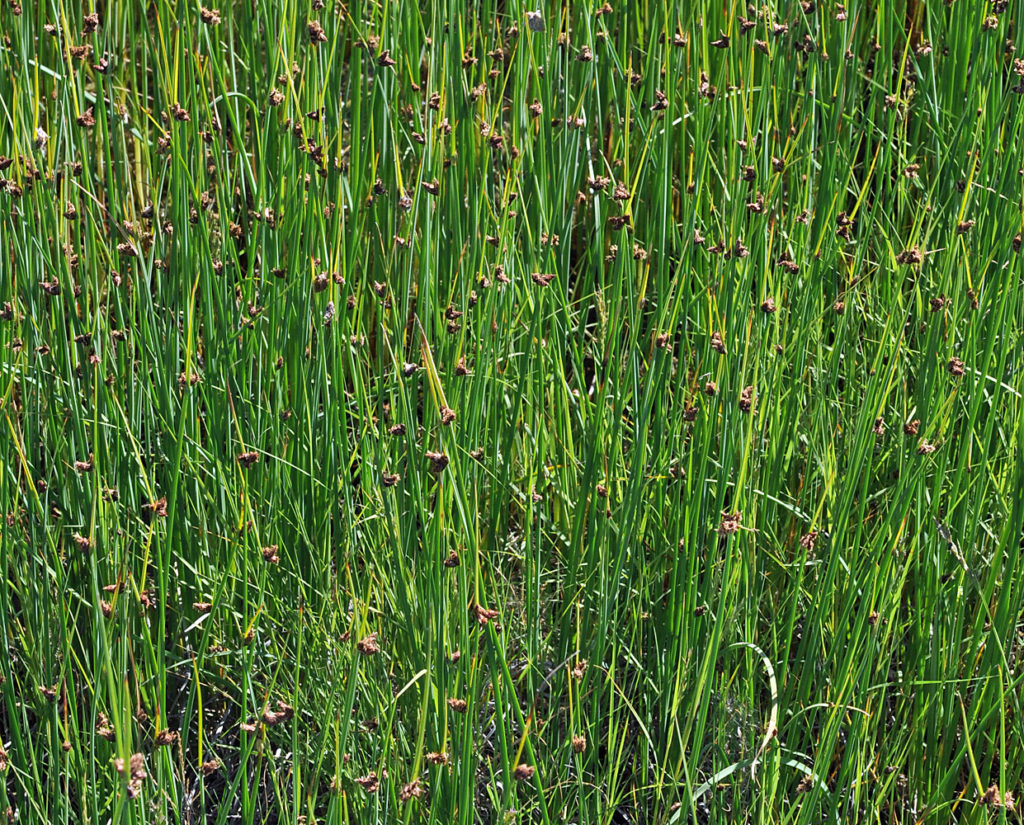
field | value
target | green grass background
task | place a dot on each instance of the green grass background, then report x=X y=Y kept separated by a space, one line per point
x=674 y=601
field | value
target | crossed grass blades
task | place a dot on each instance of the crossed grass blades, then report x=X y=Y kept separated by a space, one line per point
x=600 y=413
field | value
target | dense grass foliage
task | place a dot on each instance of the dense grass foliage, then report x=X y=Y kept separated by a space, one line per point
x=602 y=414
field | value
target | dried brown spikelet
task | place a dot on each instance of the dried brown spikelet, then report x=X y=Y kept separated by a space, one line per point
x=939 y=303
x=911 y=427
x=483 y=614
x=579 y=744
x=209 y=16
x=271 y=718
x=165 y=738
x=248 y=458
x=438 y=461
x=369 y=783
x=730 y=523
x=808 y=540
x=955 y=366
x=156 y=508
x=746 y=399
x=210 y=766
x=368 y=646
x=926 y=447
x=389 y=479
x=447 y=415
x=452 y=560
x=316 y=32
x=412 y=790
x=84 y=466
x=458 y=705
x=768 y=306
x=722 y=42
x=82 y=542
x=437 y=758
x=524 y=772
x=909 y=256
x=542 y=279
x=717 y=344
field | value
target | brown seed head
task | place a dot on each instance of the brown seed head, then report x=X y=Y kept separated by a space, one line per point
x=808 y=540
x=438 y=461
x=368 y=646
x=369 y=783
x=524 y=772
x=166 y=738
x=746 y=399
x=316 y=32
x=730 y=523
x=412 y=790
